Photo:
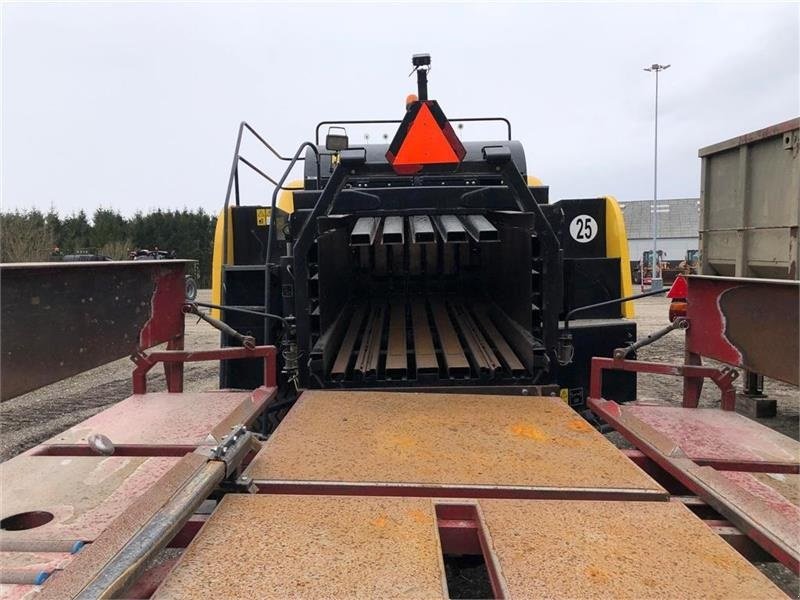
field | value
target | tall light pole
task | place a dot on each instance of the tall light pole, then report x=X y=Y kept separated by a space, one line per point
x=655 y=282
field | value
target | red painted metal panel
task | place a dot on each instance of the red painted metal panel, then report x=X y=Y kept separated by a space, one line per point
x=746 y=507
x=11 y=591
x=83 y=494
x=158 y=423
x=706 y=333
x=166 y=315
x=711 y=436
x=749 y=323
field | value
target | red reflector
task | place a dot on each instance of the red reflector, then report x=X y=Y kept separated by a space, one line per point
x=425 y=137
x=425 y=143
x=679 y=288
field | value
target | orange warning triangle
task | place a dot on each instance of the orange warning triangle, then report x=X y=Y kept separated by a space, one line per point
x=425 y=143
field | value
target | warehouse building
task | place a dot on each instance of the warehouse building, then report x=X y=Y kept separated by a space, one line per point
x=678 y=226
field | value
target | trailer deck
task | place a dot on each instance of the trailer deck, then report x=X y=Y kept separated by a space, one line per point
x=162 y=424
x=749 y=474
x=393 y=272
x=370 y=493
x=359 y=547
x=415 y=444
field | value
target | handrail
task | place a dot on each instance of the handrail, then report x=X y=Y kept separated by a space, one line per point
x=398 y=121
x=265 y=143
x=233 y=178
x=271 y=234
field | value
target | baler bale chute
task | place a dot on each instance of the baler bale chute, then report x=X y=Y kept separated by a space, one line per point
x=424 y=263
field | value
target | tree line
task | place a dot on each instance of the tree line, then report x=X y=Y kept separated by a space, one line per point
x=33 y=236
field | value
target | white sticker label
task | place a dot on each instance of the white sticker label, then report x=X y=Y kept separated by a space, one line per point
x=583 y=229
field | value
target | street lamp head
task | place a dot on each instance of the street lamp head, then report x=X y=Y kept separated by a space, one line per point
x=657 y=67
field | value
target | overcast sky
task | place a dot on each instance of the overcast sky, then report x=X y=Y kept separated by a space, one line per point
x=135 y=106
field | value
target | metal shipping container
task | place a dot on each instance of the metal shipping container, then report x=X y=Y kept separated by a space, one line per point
x=750 y=204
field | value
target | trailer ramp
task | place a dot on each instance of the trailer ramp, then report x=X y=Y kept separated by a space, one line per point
x=377 y=547
x=371 y=494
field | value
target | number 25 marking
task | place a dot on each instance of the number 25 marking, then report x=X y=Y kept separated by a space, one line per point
x=583 y=228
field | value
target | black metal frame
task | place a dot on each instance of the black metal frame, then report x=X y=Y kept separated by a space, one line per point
x=271 y=235
x=497 y=160
x=489 y=181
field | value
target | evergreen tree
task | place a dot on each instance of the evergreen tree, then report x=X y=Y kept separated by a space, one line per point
x=32 y=236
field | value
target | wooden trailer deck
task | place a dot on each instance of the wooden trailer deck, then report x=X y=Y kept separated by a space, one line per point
x=427 y=444
x=279 y=546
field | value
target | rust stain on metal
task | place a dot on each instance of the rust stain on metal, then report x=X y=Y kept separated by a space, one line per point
x=579 y=425
x=579 y=549
x=525 y=430
x=312 y=547
x=451 y=439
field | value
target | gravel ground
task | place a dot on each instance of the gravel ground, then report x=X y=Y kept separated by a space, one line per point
x=34 y=417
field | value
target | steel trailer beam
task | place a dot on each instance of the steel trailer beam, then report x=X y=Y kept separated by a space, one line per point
x=59 y=319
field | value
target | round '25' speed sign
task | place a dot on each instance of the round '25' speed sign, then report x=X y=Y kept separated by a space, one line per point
x=583 y=228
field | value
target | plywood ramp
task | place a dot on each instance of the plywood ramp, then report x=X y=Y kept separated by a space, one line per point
x=355 y=547
x=445 y=441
